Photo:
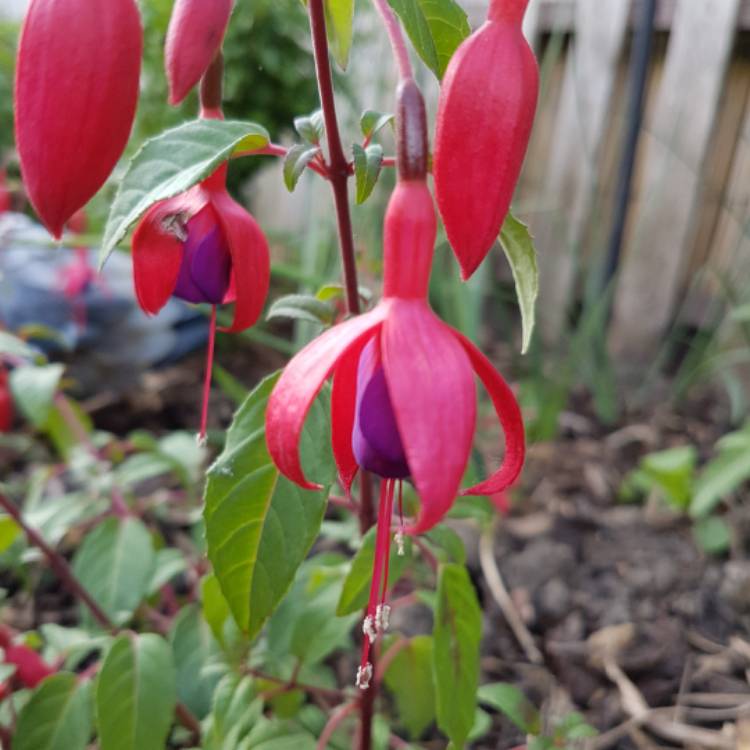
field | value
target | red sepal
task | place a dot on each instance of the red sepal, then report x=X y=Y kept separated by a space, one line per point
x=511 y=420
x=251 y=265
x=76 y=93
x=432 y=391
x=158 y=249
x=301 y=382
x=196 y=31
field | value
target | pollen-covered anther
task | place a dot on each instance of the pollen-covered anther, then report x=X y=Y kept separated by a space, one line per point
x=364 y=675
x=369 y=627
x=398 y=538
x=383 y=617
x=201 y=440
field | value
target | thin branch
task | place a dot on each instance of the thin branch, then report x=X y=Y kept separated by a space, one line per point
x=502 y=597
x=396 y=35
x=333 y=693
x=337 y=717
x=59 y=564
x=274 y=149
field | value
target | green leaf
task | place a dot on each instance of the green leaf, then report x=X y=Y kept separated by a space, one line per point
x=409 y=678
x=58 y=716
x=172 y=162
x=311 y=128
x=259 y=525
x=10 y=344
x=456 y=635
x=672 y=471
x=168 y=563
x=115 y=564
x=367 y=164
x=518 y=245
x=301 y=307
x=435 y=27
x=509 y=700
x=371 y=122
x=136 y=694
x=235 y=711
x=720 y=477
x=195 y=651
x=713 y=535
x=215 y=607
x=339 y=24
x=9 y=532
x=357 y=583
x=34 y=389
x=295 y=161
x=449 y=543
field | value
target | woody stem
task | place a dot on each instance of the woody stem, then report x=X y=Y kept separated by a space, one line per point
x=338 y=173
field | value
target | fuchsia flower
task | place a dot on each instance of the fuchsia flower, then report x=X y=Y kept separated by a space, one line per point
x=76 y=92
x=486 y=109
x=202 y=247
x=404 y=398
x=196 y=30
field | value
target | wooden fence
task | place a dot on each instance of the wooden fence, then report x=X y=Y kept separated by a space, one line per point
x=688 y=219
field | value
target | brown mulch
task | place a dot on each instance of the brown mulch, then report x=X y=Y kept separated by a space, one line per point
x=629 y=614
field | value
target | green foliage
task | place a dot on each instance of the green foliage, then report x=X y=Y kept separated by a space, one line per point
x=57 y=716
x=367 y=164
x=295 y=161
x=410 y=679
x=115 y=564
x=171 y=163
x=33 y=390
x=251 y=512
x=302 y=307
x=136 y=694
x=435 y=27
x=518 y=244
x=456 y=635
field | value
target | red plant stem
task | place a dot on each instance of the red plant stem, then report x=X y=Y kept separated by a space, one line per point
x=338 y=166
x=397 y=39
x=338 y=175
x=337 y=717
x=274 y=149
x=58 y=563
x=207 y=376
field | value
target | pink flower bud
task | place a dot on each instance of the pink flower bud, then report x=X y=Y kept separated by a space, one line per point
x=196 y=31
x=486 y=110
x=76 y=93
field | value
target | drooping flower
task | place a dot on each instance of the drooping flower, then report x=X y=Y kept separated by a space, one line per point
x=404 y=398
x=75 y=99
x=485 y=113
x=202 y=247
x=196 y=31
x=6 y=402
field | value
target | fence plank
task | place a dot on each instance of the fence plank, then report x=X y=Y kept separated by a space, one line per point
x=674 y=145
x=591 y=70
